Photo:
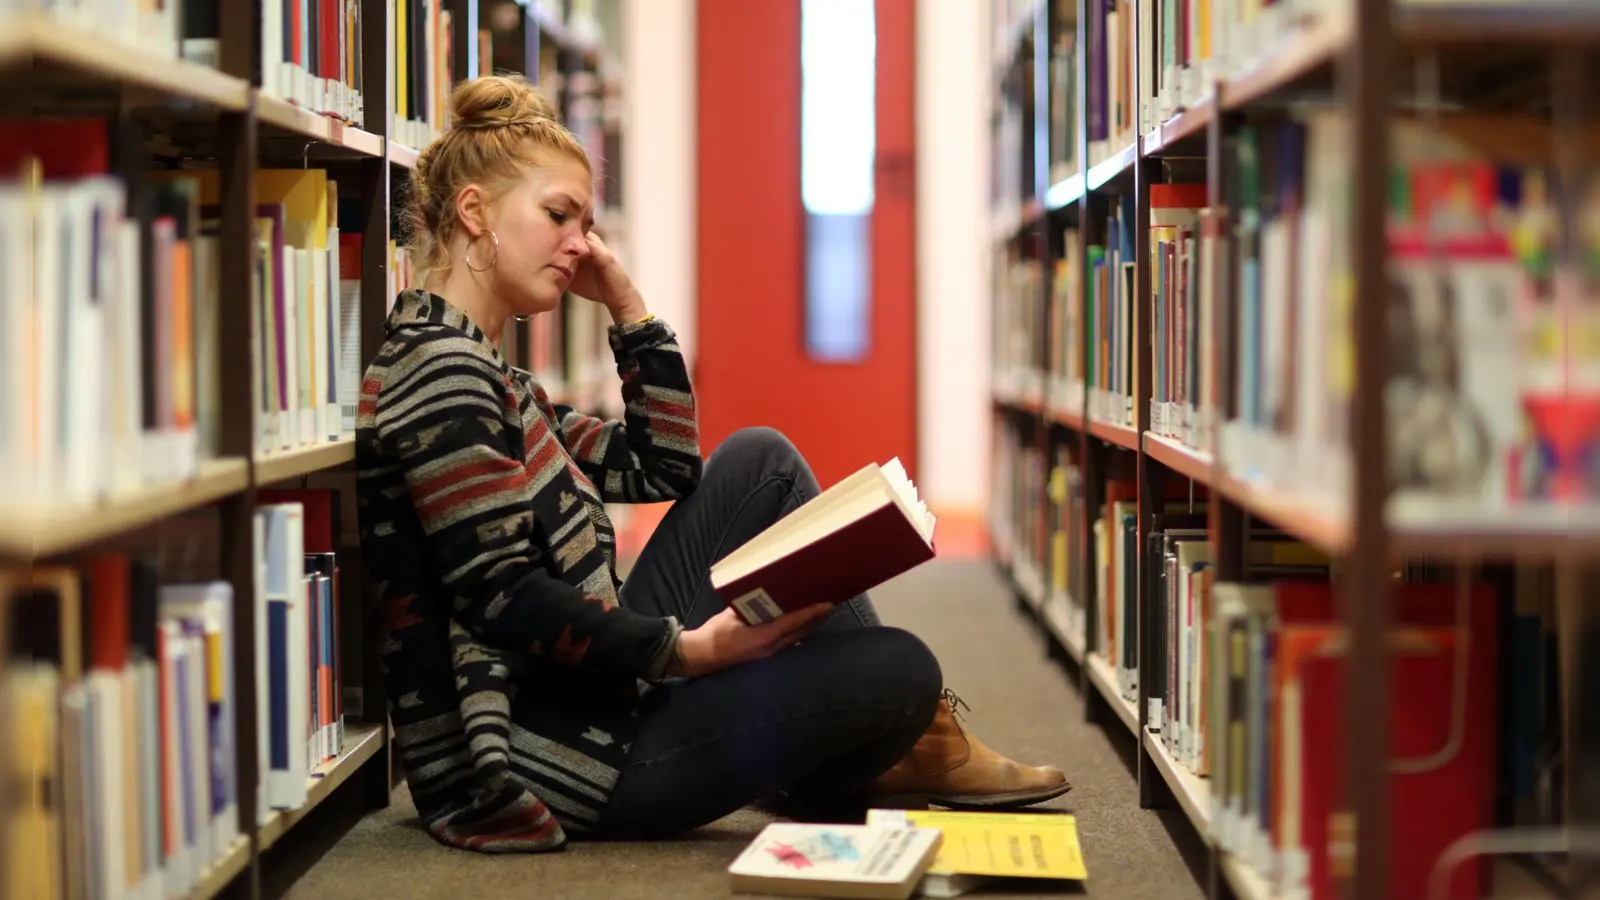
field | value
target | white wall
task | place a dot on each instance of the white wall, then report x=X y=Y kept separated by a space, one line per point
x=952 y=217
x=658 y=163
x=953 y=296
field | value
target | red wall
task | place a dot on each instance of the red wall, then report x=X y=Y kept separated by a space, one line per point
x=752 y=368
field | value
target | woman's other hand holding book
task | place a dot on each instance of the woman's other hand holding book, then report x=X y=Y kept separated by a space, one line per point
x=725 y=640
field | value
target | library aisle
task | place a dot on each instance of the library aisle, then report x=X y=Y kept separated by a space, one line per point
x=992 y=657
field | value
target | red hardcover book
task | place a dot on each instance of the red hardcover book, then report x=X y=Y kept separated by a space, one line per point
x=318 y=512
x=856 y=535
x=1433 y=806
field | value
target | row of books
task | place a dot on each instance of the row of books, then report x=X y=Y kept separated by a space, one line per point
x=113 y=383
x=425 y=67
x=110 y=378
x=120 y=710
x=1494 y=367
x=310 y=50
x=1018 y=301
x=1243 y=680
x=1149 y=59
x=1011 y=161
x=300 y=707
x=1246 y=687
x=1107 y=360
x=1493 y=379
x=1062 y=93
x=120 y=729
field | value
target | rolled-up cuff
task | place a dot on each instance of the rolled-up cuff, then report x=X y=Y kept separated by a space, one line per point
x=662 y=657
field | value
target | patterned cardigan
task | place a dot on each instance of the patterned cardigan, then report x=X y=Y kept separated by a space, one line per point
x=513 y=674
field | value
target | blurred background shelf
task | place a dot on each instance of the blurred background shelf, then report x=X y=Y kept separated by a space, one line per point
x=56 y=531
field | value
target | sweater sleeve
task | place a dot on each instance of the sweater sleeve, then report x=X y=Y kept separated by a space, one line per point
x=440 y=417
x=653 y=453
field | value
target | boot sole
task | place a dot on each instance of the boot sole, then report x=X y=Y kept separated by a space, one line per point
x=982 y=802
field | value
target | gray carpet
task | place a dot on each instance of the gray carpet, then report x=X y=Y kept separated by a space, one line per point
x=1022 y=704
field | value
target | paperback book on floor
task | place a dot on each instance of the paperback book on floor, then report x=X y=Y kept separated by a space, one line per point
x=851 y=538
x=979 y=848
x=807 y=860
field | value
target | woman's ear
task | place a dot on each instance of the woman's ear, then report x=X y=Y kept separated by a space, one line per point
x=472 y=211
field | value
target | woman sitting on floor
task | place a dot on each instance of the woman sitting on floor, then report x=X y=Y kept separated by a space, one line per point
x=534 y=694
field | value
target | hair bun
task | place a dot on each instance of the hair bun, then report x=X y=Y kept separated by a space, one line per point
x=497 y=101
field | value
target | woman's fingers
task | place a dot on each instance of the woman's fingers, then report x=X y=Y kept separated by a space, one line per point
x=795 y=625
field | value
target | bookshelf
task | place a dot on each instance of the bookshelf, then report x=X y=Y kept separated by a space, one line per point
x=238 y=189
x=1290 y=383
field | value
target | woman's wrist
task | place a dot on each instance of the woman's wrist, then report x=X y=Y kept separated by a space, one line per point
x=687 y=655
x=629 y=309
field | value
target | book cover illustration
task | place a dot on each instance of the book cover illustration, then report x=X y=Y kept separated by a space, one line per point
x=835 y=860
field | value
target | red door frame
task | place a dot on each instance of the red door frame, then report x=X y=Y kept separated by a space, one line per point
x=751 y=367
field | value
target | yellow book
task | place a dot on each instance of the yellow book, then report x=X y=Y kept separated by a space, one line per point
x=33 y=861
x=979 y=847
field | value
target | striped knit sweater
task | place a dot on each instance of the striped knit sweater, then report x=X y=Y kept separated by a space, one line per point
x=512 y=672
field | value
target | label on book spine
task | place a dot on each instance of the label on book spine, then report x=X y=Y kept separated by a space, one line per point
x=757 y=607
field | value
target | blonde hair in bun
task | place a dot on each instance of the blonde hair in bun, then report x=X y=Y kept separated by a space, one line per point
x=499 y=125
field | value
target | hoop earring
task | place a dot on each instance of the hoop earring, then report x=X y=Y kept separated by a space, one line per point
x=468 y=254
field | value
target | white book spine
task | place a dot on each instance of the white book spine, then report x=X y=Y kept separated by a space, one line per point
x=288 y=410
x=317 y=391
x=333 y=321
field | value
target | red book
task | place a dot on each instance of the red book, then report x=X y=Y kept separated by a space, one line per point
x=856 y=535
x=110 y=611
x=318 y=511
x=67 y=149
x=1430 y=808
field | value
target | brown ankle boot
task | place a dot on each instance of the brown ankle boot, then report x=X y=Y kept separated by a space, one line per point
x=950 y=767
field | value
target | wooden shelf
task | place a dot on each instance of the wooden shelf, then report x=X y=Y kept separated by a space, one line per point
x=1054 y=613
x=1064 y=416
x=361 y=743
x=39 y=40
x=1288 y=511
x=57 y=531
x=304 y=461
x=1113 y=167
x=1192 y=464
x=1246 y=882
x=1192 y=791
x=1189 y=123
x=1021 y=401
x=1505 y=540
x=1065 y=192
x=222 y=872
x=1314 y=46
x=1530 y=21
x=1120 y=435
x=1105 y=678
x=279 y=113
x=403 y=156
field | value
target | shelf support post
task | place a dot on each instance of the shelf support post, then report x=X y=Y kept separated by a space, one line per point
x=1365 y=78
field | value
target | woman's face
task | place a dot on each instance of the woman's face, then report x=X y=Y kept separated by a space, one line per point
x=542 y=223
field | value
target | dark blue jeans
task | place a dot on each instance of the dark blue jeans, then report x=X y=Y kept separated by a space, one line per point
x=817 y=721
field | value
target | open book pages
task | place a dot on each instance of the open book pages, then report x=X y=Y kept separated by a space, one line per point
x=895 y=474
x=856 y=498
x=810 y=860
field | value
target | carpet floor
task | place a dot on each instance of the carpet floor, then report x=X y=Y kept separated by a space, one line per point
x=1022 y=704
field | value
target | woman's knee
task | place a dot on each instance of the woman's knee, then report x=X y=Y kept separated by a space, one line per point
x=898 y=662
x=759 y=442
